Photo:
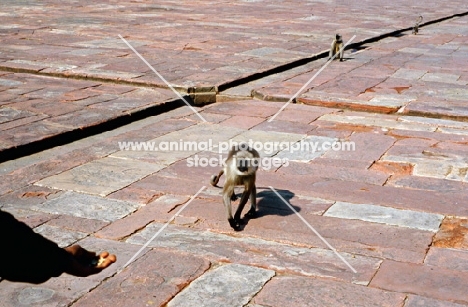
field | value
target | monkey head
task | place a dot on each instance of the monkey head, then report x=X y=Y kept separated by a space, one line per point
x=246 y=160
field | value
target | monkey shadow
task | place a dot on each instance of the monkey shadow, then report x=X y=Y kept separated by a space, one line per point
x=269 y=203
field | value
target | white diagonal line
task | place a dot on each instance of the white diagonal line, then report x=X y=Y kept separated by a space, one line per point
x=313 y=229
x=308 y=82
x=161 y=229
x=162 y=78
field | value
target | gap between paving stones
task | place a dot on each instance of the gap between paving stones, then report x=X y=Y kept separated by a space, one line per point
x=81 y=133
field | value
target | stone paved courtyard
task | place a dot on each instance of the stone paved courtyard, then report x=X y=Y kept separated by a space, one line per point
x=393 y=209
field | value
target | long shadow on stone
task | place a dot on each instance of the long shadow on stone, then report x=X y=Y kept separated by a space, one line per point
x=268 y=203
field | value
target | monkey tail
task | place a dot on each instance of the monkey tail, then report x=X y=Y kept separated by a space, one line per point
x=215 y=178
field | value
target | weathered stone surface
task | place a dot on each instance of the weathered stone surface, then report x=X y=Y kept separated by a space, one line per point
x=203 y=135
x=161 y=158
x=63 y=237
x=227 y=285
x=151 y=187
x=307 y=149
x=446 y=203
x=276 y=256
x=87 y=206
x=383 y=123
x=101 y=177
x=158 y=210
x=434 y=121
x=29 y=217
x=77 y=224
x=284 y=126
x=311 y=292
x=423 y=280
x=443 y=169
x=267 y=140
x=242 y=108
x=332 y=172
x=420 y=301
x=426 y=183
x=367 y=147
x=153 y=279
x=448 y=258
x=453 y=233
x=441 y=77
x=242 y=122
x=386 y=215
x=408 y=74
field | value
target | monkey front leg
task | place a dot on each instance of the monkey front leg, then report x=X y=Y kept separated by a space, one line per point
x=228 y=207
x=243 y=201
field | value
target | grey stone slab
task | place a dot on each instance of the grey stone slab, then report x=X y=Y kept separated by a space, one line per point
x=390 y=100
x=162 y=158
x=255 y=251
x=297 y=291
x=414 y=50
x=264 y=51
x=378 y=122
x=434 y=121
x=450 y=169
x=101 y=177
x=459 y=93
x=421 y=301
x=87 y=206
x=63 y=237
x=8 y=114
x=441 y=77
x=228 y=285
x=9 y=83
x=197 y=138
x=266 y=140
x=452 y=131
x=408 y=74
x=309 y=149
x=386 y=215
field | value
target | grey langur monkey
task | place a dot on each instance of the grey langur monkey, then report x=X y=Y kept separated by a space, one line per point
x=337 y=47
x=416 y=26
x=240 y=170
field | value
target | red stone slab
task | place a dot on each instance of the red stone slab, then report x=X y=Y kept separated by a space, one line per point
x=302 y=291
x=242 y=122
x=420 y=301
x=368 y=147
x=77 y=224
x=285 y=126
x=334 y=172
x=151 y=280
x=242 y=108
x=448 y=258
x=429 y=281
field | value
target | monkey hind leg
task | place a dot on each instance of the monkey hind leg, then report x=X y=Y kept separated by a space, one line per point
x=252 y=213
